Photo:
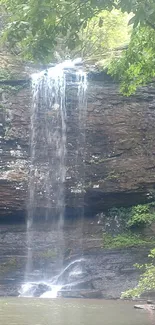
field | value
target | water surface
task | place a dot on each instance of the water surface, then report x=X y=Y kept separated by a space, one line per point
x=25 y=311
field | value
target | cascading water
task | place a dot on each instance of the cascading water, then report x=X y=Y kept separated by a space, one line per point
x=48 y=166
x=48 y=150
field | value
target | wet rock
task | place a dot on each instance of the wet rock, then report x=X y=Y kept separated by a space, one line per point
x=92 y=294
x=85 y=284
x=139 y=306
x=146 y=307
x=40 y=289
x=69 y=294
x=150 y=295
x=87 y=294
x=149 y=302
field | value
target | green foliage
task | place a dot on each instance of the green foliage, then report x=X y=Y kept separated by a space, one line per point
x=143 y=11
x=140 y=216
x=136 y=66
x=5 y=74
x=112 y=176
x=13 y=89
x=99 y=41
x=147 y=279
x=8 y=266
x=135 y=216
x=39 y=28
x=34 y=27
x=49 y=254
x=122 y=213
x=125 y=240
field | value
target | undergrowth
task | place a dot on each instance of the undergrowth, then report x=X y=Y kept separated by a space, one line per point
x=127 y=239
x=147 y=279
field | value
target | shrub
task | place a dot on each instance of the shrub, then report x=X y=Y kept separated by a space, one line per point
x=147 y=279
x=120 y=212
x=125 y=240
x=140 y=216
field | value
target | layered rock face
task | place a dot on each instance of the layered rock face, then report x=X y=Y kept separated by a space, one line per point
x=119 y=148
x=14 y=133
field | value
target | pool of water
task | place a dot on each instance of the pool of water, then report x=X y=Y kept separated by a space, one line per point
x=27 y=311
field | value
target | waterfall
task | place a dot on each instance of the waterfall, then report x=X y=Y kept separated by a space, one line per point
x=48 y=150
x=48 y=154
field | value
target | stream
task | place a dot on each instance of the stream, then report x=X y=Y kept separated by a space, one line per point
x=25 y=311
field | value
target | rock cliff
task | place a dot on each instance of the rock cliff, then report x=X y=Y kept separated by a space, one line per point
x=119 y=147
